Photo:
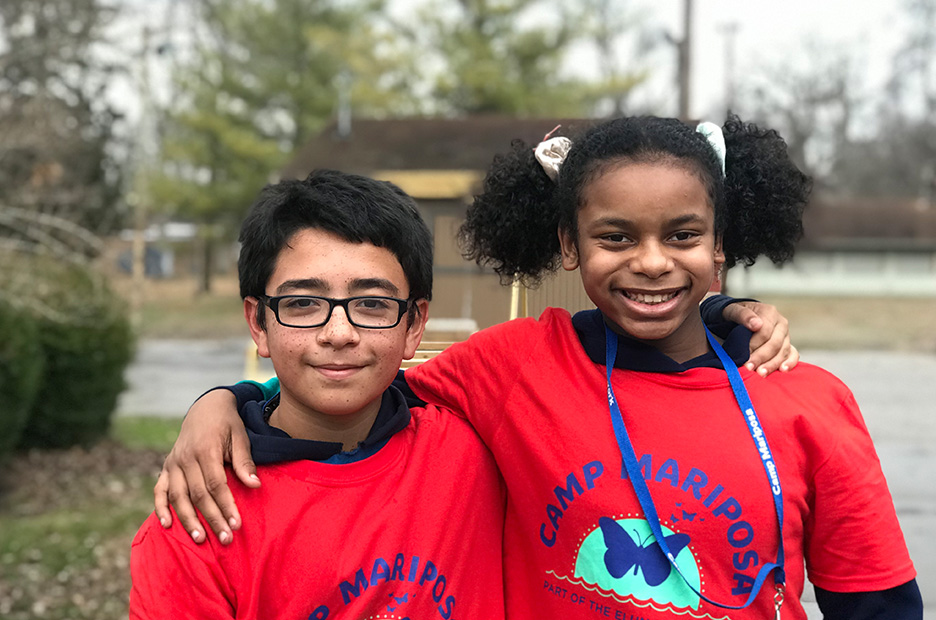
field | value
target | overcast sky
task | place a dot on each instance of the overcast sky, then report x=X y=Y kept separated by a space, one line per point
x=775 y=31
x=769 y=32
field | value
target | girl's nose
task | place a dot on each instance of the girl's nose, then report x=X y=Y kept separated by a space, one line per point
x=651 y=259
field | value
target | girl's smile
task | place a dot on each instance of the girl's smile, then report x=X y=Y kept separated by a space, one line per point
x=647 y=252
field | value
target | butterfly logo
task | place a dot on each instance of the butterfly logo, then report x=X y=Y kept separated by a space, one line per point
x=399 y=600
x=623 y=553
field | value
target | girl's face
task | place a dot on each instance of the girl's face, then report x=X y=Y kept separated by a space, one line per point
x=648 y=254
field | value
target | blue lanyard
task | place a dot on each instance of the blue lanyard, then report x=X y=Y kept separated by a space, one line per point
x=643 y=492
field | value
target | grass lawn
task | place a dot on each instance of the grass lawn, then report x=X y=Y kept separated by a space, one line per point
x=67 y=518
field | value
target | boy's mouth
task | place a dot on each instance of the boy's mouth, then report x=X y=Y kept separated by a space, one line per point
x=337 y=371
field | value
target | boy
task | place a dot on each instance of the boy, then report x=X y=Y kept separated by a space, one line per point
x=361 y=514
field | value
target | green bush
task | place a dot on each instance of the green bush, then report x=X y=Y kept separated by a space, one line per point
x=87 y=343
x=20 y=373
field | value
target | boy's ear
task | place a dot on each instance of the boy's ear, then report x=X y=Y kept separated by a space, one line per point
x=251 y=307
x=414 y=332
x=570 y=260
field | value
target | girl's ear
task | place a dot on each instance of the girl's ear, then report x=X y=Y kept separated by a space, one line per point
x=719 y=253
x=570 y=260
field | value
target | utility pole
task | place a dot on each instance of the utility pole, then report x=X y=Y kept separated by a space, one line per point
x=684 y=71
x=140 y=196
x=729 y=31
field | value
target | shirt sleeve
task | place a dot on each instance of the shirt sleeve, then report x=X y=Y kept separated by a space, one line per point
x=174 y=578
x=901 y=603
x=474 y=378
x=853 y=539
x=712 y=309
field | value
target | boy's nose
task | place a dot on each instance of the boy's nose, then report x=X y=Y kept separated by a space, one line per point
x=338 y=331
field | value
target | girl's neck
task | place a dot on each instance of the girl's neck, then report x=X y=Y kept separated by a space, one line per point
x=686 y=343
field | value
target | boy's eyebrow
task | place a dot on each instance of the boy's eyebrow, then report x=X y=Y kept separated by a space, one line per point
x=361 y=284
x=303 y=284
x=357 y=285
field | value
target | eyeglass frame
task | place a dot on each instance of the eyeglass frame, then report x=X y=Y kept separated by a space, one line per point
x=272 y=302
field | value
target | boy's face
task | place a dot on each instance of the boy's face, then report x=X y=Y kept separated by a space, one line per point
x=336 y=369
x=647 y=253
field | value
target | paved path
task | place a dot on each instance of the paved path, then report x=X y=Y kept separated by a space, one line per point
x=896 y=391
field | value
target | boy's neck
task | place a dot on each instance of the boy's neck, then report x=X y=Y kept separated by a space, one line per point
x=301 y=423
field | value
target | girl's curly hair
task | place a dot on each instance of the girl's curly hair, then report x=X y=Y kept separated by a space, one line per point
x=512 y=224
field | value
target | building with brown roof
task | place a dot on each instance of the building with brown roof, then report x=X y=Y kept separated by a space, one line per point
x=851 y=247
x=441 y=162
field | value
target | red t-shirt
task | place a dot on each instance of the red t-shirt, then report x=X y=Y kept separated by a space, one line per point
x=576 y=542
x=414 y=531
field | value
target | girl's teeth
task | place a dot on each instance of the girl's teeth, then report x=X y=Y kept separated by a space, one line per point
x=650 y=299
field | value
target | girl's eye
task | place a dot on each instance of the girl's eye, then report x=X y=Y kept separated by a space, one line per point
x=683 y=235
x=615 y=238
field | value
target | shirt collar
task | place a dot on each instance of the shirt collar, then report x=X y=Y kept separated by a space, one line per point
x=269 y=444
x=635 y=355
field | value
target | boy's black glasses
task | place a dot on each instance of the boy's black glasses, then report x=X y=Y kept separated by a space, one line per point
x=302 y=311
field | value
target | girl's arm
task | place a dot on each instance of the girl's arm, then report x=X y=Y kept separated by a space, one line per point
x=193 y=476
x=901 y=603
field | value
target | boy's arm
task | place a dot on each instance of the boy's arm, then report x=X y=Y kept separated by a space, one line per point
x=771 y=348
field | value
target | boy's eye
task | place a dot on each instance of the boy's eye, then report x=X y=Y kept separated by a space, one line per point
x=615 y=237
x=372 y=304
x=297 y=303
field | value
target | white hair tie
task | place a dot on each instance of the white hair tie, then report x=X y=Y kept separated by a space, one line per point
x=713 y=133
x=551 y=153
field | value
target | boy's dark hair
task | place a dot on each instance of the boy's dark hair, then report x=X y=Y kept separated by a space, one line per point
x=758 y=204
x=353 y=207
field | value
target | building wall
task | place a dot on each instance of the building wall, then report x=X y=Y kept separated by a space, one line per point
x=841 y=273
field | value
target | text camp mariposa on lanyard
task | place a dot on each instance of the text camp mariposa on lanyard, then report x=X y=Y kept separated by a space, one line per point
x=643 y=492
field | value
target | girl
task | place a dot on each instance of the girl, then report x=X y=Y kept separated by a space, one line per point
x=649 y=473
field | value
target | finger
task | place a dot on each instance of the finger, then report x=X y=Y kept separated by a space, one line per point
x=241 y=461
x=218 y=507
x=743 y=315
x=206 y=478
x=770 y=344
x=791 y=361
x=161 y=499
x=764 y=362
x=178 y=495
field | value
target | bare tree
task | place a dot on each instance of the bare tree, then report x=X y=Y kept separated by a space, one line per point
x=58 y=176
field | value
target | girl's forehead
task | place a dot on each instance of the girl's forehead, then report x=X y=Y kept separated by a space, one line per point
x=644 y=180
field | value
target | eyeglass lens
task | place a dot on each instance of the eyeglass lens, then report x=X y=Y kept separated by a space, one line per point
x=301 y=311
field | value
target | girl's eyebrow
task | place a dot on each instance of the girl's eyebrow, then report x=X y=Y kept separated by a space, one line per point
x=689 y=218
x=621 y=222
x=617 y=222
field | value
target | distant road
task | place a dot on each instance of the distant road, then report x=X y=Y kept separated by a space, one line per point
x=896 y=392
